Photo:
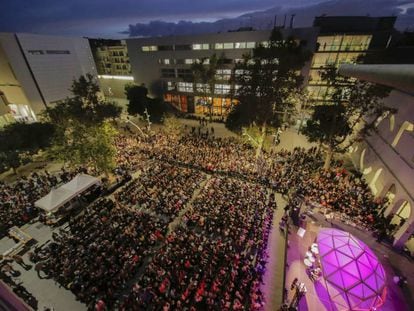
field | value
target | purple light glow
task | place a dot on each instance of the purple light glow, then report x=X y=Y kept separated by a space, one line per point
x=354 y=277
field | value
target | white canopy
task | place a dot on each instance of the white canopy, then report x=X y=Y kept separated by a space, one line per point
x=58 y=197
x=80 y=183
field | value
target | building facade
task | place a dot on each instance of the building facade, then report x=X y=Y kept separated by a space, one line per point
x=113 y=66
x=37 y=71
x=342 y=40
x=386 y=158
x=163 y=64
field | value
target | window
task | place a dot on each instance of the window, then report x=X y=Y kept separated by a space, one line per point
x=265 y=43
x=149 y=48
x=223 y=74
x=218 y=46
x=166 y=61
x=201 y=46
x=170 y=86
x=185 y=87
x=188 y=61
x=228 y=45
x=202 y=88
x=236 y=88
x=184 y=73
x=165 y=48
x=57 y=52
x=35 y=52
x=250 y=45
x=240 y=45
x=168 y=73
x=183 y=47
x=221 y=89
x=238 y=60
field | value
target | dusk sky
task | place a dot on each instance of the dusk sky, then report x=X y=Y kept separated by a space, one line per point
x=110 y=17
x=80 y=17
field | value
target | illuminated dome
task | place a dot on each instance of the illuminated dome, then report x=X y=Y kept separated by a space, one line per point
x=355 y=279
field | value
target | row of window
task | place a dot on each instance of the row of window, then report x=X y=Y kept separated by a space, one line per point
x=42 y=52
x=190 y=61
x=188 y=87
x=204 y=46
x=221 y=74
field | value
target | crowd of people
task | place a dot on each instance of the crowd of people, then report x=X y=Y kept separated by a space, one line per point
x=102 y=249
x=216 y=259
x=17 y=199
x=162 y=188
x=122 y=252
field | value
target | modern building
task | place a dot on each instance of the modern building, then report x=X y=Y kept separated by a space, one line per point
x=163 y=64
x=113 y=66
x=37 y=71
x=345 y=39
x=386 y=158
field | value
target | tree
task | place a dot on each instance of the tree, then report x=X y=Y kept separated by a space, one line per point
x=267 y=79
x=86 y=106
x=139 y=102
x=173 y=126
x=19 y=141
x=205 y=77
x=355 y=107
x=83 y=134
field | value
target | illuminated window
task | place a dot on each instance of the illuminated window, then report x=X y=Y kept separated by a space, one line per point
x=185 y=87
x=223 y=74
x=188 y=61
x=238 y=60
x=228 y=45
x=240 y=45
x=221 y=89
x=149 y=48
x=170 y=85
x=201 y=46
x=406 y=126
x=265 y=43
x=250 y=45
x=202 y=88
x=218 y=46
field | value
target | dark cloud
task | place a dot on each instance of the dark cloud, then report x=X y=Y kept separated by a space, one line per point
x=159 y=17
x=264 y=19
x=51 y=16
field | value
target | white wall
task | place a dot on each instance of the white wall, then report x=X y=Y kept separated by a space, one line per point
x=396 y=163
x=55 y=73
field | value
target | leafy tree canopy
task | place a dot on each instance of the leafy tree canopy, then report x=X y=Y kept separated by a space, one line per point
x=18 y=141
x=266 y=79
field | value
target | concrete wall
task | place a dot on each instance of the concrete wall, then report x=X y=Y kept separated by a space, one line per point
x=146 y=68
x=55 y=73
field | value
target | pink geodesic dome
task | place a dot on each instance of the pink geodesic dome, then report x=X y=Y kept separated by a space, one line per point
x=354 y=277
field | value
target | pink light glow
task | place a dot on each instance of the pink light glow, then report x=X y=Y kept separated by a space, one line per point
x=354 y=277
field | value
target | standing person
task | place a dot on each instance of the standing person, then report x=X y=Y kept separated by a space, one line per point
x=20 y=261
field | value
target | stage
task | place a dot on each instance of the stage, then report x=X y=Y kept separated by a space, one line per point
x=317 y=297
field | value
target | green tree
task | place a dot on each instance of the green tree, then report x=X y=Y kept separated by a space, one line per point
x=19 y=141
x=85 y=106
x=267 y=78
x=84 y=135
x=355 y=108
x=204 y=78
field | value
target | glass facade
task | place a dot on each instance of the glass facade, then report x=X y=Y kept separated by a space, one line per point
x=332 y=51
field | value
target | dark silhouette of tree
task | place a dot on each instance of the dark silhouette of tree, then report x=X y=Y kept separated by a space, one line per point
x=267 y=80
x=19 y=141
x=139 y=102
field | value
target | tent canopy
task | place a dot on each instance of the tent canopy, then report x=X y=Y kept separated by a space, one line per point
x=80 y=183
x=60 y=196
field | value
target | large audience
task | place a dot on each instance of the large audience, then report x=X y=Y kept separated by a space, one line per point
x=123 y=251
